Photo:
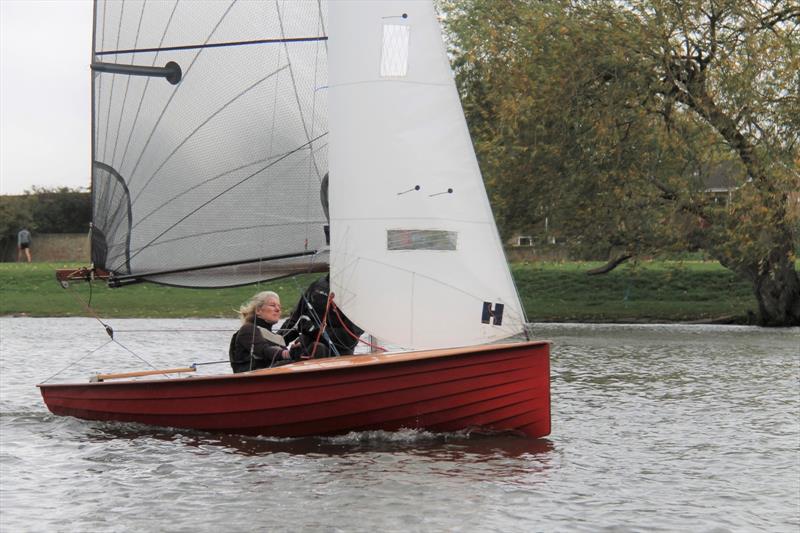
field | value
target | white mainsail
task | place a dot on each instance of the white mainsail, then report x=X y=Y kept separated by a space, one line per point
x=223 y=168
x=214 y=180
x=416 y=258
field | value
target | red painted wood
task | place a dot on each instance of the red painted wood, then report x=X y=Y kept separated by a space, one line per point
x=502 y=387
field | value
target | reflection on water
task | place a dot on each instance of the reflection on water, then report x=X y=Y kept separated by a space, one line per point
x=453 y=445
x=654 y=428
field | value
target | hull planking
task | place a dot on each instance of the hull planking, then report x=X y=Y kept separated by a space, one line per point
x=498 y=387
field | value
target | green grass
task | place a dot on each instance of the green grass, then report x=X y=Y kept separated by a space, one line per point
x=669 y=291
x=653 y=291
x=31 y=289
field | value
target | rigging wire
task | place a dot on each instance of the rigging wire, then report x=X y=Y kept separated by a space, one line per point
x=79 y=360
x=91 y=292
x=172 y=330
x=109 y=330
x=140 y=358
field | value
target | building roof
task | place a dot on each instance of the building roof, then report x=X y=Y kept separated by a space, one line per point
x=723 y=176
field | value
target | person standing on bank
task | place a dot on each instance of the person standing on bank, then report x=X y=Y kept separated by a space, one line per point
x=24 y=244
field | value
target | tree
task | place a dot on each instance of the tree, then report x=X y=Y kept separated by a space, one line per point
x=61 y=210
x=607 y=115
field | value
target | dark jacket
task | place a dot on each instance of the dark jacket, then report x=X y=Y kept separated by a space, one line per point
x=266 y=346
x=317 y=295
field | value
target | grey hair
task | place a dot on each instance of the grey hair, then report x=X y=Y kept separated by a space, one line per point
x=247 y=312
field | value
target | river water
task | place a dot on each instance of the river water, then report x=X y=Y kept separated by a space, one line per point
x=655 y=428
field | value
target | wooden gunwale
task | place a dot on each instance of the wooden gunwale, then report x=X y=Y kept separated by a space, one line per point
x=316 y=365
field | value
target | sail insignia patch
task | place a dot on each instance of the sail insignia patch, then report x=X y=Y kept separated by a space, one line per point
x=494 y=314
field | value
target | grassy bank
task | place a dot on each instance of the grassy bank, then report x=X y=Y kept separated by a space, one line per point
x=656 y=291
x=31 y=289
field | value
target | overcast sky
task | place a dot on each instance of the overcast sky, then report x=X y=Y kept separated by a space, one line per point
x=45 y=50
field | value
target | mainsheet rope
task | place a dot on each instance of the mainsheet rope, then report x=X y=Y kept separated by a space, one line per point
x=358 y=338
x=328 y=305
x=323 y=324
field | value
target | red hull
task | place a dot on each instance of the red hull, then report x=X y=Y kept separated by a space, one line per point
x=500 y=387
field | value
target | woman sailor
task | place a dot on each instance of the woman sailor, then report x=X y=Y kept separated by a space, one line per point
x=255 y=345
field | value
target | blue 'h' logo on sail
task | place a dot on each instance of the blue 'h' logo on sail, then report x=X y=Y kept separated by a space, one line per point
x=496 y=314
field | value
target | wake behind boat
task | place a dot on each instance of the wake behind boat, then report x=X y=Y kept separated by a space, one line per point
x=217 y=129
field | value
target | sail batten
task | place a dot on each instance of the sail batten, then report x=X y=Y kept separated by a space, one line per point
x=213 y=45
x=221 y=265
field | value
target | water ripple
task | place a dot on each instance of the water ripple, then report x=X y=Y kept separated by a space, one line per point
x=656 y=428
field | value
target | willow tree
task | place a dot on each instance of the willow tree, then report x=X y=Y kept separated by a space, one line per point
x=607 y=115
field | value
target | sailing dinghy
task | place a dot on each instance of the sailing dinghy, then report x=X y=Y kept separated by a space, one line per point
x=215 y=126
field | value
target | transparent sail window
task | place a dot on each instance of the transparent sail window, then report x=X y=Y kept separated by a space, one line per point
x=421 y=239
x=394 y=55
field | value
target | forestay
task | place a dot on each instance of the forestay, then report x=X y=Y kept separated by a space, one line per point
x=223 y=168
x=415 y=254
